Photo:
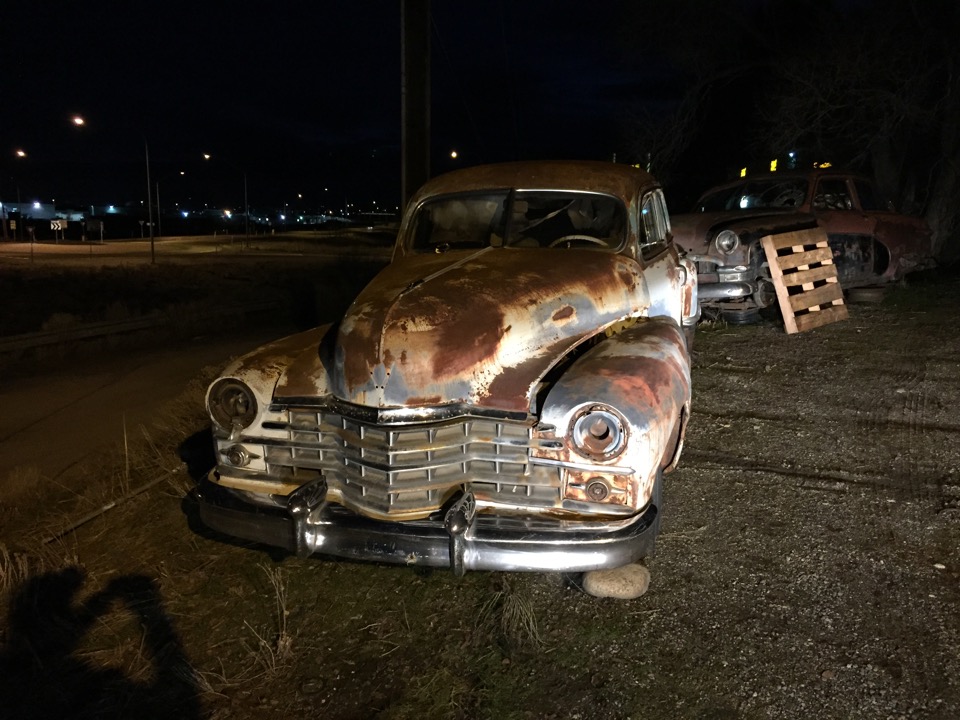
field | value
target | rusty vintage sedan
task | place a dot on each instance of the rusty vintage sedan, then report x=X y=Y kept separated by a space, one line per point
x=506 y=394
x=872 y=244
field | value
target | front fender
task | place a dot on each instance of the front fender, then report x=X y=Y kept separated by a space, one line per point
x=644 y=374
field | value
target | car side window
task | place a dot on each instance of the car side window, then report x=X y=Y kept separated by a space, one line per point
x=655 y=230
x=832 y=194
x=867 y=194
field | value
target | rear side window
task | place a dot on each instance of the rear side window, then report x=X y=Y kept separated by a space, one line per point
x=832 y=194
x=655 y=232
x=867 y=193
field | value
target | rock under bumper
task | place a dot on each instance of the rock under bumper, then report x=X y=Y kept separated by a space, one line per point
x=483 y=542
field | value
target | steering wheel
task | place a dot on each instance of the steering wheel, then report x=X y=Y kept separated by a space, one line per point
x=788 y=198
x=572 y=238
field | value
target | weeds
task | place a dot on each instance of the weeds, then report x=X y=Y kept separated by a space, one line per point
x=512 y=616
x=14 y=569
x=274 y=653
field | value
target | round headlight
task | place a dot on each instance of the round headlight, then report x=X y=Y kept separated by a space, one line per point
x=727 y=241
x=598 y=433
x=231 y=404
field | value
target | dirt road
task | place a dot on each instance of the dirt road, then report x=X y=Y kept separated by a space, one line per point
x=52 y=421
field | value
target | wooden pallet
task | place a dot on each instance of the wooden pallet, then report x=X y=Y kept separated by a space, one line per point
x=803 y=273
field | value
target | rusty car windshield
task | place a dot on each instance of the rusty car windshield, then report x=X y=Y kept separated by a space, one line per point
x=783 y=192
x=519 y=219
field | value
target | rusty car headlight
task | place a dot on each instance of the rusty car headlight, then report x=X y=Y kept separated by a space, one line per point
x=599 y=433
x=231 y=404
x=727 y=241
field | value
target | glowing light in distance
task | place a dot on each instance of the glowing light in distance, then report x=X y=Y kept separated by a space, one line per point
x=453 y=154
x=78 y=120
x=36 y=205
x=206 y=156
x=21 y=153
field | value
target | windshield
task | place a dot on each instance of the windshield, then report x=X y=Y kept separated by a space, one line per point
x=769 y=193
x=515 y=219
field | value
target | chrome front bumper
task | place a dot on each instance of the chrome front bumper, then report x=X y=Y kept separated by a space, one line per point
x=726 y=290
x=464 y=540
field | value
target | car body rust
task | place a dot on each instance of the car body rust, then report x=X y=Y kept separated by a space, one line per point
x=872 y=244
x=515 y=384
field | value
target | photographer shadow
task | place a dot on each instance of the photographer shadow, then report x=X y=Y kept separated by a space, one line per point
x=41 y=675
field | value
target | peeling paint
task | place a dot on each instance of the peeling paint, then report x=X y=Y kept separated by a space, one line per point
x=469 y=369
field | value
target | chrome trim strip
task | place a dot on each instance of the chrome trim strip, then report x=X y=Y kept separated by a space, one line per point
x=581 y=467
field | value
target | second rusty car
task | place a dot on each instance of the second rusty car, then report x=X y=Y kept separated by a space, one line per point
x=506 y=394
x=872 y=244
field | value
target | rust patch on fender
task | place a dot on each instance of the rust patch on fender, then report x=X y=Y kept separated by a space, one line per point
x=563 y=313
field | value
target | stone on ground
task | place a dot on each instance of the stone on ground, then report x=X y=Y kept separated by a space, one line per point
x=623 y=583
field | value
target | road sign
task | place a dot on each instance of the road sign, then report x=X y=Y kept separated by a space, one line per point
x=58 y=224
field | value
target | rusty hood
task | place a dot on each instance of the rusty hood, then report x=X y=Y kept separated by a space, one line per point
x=477 y=328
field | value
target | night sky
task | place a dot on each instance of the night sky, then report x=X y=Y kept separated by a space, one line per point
x=303 y=97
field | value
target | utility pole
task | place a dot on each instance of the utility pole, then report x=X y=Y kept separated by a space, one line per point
x=414 y=95
x=153 y=256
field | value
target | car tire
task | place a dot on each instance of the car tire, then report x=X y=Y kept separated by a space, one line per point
x=745 y=316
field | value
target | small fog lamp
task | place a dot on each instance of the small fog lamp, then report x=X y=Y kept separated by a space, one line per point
x=237 y=456
x=597 y=490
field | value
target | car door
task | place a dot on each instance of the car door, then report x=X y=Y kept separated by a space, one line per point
x=665 y=283
x=850 y=230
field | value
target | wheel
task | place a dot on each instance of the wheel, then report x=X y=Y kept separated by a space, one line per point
x=742 y=316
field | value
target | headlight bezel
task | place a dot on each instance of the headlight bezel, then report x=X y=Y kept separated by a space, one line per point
x=598 y=432
x=232 y=404
x=727 y=242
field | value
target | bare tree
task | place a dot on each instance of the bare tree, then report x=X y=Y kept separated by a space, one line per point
x=877 y=90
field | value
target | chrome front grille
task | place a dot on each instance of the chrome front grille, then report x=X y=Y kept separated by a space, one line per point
x=412 y=470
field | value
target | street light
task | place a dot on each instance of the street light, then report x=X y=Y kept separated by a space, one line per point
x=20 y=153
x=246 y=205
x=159 y=211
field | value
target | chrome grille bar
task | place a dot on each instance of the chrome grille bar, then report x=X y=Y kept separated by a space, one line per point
x=400 y=470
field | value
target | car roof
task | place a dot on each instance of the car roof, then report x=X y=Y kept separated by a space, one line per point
x=623 y=181
x=806 y=175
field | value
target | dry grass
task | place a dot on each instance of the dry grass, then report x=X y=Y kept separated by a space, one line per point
x=511 y=616
x=274 y=648
x=15 y=567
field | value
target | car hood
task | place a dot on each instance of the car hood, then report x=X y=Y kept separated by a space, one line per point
x=694 y=231
x=477 y=328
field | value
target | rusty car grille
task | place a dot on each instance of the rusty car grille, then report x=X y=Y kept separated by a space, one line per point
x=412 y=469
